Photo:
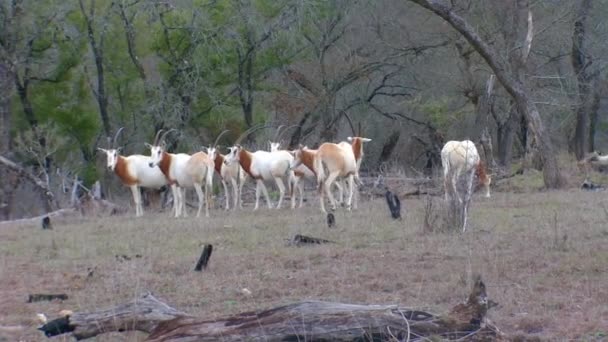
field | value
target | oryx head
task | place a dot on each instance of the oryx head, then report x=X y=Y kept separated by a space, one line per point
x=297 y=157
x=233 y=155
x=158 y=148
x=112 y=153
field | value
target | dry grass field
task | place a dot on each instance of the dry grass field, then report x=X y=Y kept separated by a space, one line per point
x=543 y=256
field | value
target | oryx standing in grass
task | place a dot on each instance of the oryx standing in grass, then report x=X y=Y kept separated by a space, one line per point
x=262 y=166
x=233 y=173
x=183 y=171
x=340 y=163
x=134 y=171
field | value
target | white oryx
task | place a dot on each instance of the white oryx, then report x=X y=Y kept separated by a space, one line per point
x=299 y=172
x=356 y=143
x=263 y=166
x=134 y=172
x=183 y=171
x=458 y=158
x=228 y=173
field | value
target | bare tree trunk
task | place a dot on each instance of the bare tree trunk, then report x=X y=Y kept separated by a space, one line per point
x=506 y=138
x=305 y=321
x=581 y=60
x=512 y=82
x=389 y=147
x=593 y=112
x=97 y=49
x=7 y=183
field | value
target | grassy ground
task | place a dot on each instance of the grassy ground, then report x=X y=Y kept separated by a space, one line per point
x=543 y=256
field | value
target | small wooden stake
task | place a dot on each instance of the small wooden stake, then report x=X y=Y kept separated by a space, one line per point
x=204 y=259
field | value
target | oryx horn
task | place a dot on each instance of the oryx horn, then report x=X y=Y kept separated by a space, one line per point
x=116 y=136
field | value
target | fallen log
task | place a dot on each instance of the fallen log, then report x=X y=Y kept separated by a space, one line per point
x=39 y=297
x=66 y=212
x=299 y=240
x=305 y=321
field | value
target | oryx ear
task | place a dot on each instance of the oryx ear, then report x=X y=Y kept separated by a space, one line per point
x=118 y=150
x=102 y=150
x=350 y=139
x=148 y=145
x=366 y=139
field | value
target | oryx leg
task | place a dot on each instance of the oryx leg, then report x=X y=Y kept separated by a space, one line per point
x=294 y=187
x=330 y=179
x=240 y=194
x=281 y=187
x=182 y=202
x=455 y=179
x=301 y=190
x=201 y=196
x=351 y=187
x=136 y=200
x=340 y=185
x=467 y=199
x=355 y=192
x=322 y=198
x=235 y=194
x=227 y=206
x=175 y=193
x=446 y=181
x=265 y=191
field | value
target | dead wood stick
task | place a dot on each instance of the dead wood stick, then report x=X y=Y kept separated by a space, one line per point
x=204 y=258
x=299 y=240
x=39 y=297
x=310 y=320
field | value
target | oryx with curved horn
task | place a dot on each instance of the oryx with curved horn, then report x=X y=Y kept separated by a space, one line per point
x=228 y=173
x=262 y=166
x=183 y=171
x=134 y=172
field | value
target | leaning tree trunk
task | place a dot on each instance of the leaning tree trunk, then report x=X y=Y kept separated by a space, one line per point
x=42 y=187
x=305 y=321
x=512 y=82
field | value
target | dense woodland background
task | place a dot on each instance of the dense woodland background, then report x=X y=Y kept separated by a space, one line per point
x=410 y=74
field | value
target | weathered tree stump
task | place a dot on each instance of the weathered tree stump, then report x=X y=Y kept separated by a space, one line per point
x=204 y=258
x=394 y=204
x=305 y=321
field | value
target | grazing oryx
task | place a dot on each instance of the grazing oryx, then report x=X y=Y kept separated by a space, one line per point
x=228 y=173
x=461 y=157
x=134 y=172
x=183 y=171
x=263 y=166
x=339 y=161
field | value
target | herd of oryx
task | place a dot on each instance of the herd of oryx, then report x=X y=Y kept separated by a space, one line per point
x=329 y=165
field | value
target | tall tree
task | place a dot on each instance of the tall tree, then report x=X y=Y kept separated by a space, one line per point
x=513 y=82
x=588 y=95
x=97 y=44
